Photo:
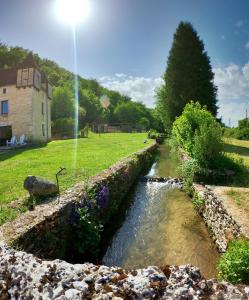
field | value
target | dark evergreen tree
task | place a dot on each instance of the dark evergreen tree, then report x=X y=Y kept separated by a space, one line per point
x=188 y=76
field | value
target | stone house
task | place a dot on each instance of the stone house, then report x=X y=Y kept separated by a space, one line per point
x=25 y=103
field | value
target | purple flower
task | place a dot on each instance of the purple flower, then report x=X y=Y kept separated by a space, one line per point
x=103 y=197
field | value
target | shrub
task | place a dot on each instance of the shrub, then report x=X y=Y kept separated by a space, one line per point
x=188 y=170
x=234 y=264
x=153 y=134
x=63 y=127
x=241 y=132
x=199 y=134
x=84 y=133
x=88 y=233
x=198 y=201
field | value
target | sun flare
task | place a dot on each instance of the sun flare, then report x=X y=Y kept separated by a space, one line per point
x=72 y=12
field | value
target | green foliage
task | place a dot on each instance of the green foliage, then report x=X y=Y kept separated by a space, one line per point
x=153 y=134
x=234 y=263
x=198 y=201
x=188 y=170
x=90 y=101
x=144 y=123
x=188 y=76
x=241 y=132
x=62 y=104
x=133 y=113
x=198 y=133
x=87 y=233
x=63 y=127
x=85 y=131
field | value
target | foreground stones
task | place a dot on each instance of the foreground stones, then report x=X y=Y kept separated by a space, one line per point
x=40 y=187
x=23 y=276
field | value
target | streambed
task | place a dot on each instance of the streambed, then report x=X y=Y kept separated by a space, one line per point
x=161 y=226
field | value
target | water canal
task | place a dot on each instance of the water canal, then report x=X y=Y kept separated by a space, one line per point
x=161 y=226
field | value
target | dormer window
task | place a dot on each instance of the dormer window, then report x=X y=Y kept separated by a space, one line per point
x=4 y=90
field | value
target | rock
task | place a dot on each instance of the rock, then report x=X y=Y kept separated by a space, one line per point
x=73 y=294
x=81 y=286
x=37 y=186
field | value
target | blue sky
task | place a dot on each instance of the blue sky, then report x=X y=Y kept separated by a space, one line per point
x=125 y=43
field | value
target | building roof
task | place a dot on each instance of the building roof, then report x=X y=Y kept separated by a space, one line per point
x=29 y=62
x=9 y=76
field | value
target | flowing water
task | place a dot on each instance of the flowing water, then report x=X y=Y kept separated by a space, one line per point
x=162 y=227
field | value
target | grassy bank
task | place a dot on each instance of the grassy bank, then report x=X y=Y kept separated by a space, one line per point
x=93 y=155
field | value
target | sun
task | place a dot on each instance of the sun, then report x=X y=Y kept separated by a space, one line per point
x=72 y=12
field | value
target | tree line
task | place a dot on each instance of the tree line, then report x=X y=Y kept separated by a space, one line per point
x=122 y=109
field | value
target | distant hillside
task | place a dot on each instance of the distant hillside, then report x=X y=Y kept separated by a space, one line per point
x=121 y=110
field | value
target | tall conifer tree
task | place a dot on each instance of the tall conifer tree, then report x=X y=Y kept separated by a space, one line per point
x=188 y=76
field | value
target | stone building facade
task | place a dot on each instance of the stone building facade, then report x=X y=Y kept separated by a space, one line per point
x=25 y=103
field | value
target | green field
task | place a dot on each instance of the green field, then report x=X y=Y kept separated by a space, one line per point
x=93 y=155
x=237 y=149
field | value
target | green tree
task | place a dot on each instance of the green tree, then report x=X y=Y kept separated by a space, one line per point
x=62 y=104
x=188 y=76
x=90 y=102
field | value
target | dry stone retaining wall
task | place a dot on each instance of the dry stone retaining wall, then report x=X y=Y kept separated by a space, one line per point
x=221 y=225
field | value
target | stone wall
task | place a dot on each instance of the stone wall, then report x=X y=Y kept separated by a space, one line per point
x=222 y=227
x=45 y=231
x=23 y=276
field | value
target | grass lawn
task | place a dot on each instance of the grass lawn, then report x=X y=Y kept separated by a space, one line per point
x=238 y=150
x=93 y=155
x=241 y=198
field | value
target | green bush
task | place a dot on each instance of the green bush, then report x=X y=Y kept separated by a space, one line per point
x=88 y=233
x=199 y=134
x=153 y=134
x=234 y=263
x=198 y=201
x=63 y=127
x=188 y=170
x=84 y=133
x=241 y=132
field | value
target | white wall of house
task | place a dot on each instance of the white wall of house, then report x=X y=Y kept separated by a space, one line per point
x=25 y=113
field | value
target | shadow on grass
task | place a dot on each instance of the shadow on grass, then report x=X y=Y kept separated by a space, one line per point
x=227 y=171
x=236 y=149
x=16 y=151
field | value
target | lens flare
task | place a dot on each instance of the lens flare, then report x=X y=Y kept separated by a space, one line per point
x=72 y=12
x=105 y=101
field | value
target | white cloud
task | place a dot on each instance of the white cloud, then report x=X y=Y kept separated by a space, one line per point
x=233 y=91
x=138 y=88
x=120 y=75
x=232 y=81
